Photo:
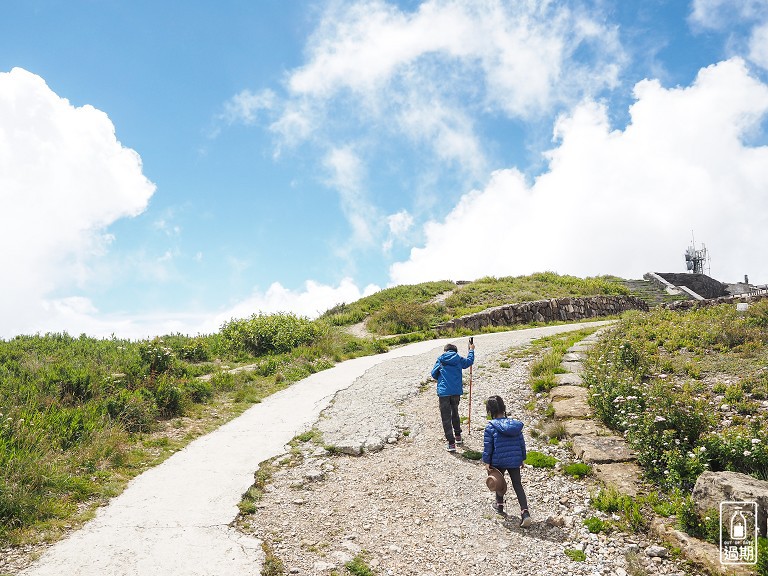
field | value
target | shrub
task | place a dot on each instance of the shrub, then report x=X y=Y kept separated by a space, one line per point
x=168 y=398
x=156 y=356
x=135 y=410
x=539 y=460
x=199 y=391
x=269 y=334
x=401 y=317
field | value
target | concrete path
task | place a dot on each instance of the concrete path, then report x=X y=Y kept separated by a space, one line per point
x=174 y=519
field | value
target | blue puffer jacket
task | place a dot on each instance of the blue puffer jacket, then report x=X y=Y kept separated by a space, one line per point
x=503 y=443
x=447 y=372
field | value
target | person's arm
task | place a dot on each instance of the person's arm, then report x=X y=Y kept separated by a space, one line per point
x=470 y=359
x=525 y=452
x=436 y=370
x=487 y=445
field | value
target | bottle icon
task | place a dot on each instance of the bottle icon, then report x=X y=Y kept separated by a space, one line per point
x=738 y=526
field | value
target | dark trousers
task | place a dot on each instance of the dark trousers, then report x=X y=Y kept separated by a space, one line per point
x=449 y=413
x=517 y=484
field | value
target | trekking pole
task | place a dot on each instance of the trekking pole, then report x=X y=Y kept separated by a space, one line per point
x=469 y=417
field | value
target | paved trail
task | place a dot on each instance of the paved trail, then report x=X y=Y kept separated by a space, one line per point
x=175 y=519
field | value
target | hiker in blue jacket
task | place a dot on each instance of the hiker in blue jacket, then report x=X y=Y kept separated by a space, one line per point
x=504 y=449
x=447 y=372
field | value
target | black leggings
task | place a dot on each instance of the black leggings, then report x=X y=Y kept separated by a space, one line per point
x=517 y=484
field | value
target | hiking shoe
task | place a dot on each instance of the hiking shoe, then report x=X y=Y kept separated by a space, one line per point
x=498 y=507
x=451 y=448
x=525 y=519
x=459 y=439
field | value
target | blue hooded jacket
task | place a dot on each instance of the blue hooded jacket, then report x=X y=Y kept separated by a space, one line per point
x=503 y=443
x=447 y=372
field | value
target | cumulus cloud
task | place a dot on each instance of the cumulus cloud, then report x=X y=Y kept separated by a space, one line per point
x=64 y=178
x=426 y=77
x=312 y=301
x=622 y=201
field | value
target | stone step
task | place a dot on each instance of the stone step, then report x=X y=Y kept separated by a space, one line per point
x=601 y=449
x=624 y=476
x=571 y=408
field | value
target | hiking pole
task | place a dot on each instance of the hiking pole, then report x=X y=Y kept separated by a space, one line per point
x=469 y=416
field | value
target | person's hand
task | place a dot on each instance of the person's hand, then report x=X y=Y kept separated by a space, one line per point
x=471 y=346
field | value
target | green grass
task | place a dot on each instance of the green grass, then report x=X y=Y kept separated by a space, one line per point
x=550 y=351
x=540 y=460
x=410 y=308
x=595 y=525
x=577 y=469
x=359 y=567
x=575 y=555
x=472 y=454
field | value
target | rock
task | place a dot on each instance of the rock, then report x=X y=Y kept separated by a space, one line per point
x=601 y=449
x=321 y=566
x=624 y=476
x=571 y=408
x=715 y=487
x=655 y=551
x=579 y=427
x=314 y=475
x=557 y=521
x=573 y=367
x=568 y=391
x=569 y=378
x=573 y=357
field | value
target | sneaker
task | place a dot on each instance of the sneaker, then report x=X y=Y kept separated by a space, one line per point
x=451 y=447
x=459 y=439
x=525 y=519
x=498 y=508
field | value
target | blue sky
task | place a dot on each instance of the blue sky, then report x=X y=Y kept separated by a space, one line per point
x=166 y=166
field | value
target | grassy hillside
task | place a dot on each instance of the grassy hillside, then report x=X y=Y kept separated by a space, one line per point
x=80 y=416
x=416 y=307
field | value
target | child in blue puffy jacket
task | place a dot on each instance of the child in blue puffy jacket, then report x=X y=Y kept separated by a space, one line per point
x=447 y=372
x=504 y=449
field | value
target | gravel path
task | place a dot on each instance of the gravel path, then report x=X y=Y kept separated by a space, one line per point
x=412 y=508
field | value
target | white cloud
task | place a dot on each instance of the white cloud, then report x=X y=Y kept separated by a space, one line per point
x=399 y=224
x=245 y=106
x=622 y=202
x=746 y=22
x=720 y=14
x=346 y=174
x=426 y=79
x=315 y=299
x=758 y=46
x=64 y=177
x=79 y=316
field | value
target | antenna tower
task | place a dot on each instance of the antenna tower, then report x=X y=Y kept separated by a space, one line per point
x=696 y=260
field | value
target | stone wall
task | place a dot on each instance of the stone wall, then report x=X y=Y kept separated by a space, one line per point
x=546 y=311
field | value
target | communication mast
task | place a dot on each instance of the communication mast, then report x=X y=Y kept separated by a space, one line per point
x=696 y=260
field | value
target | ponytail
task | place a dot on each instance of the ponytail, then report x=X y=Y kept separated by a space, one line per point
x=495 y=406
